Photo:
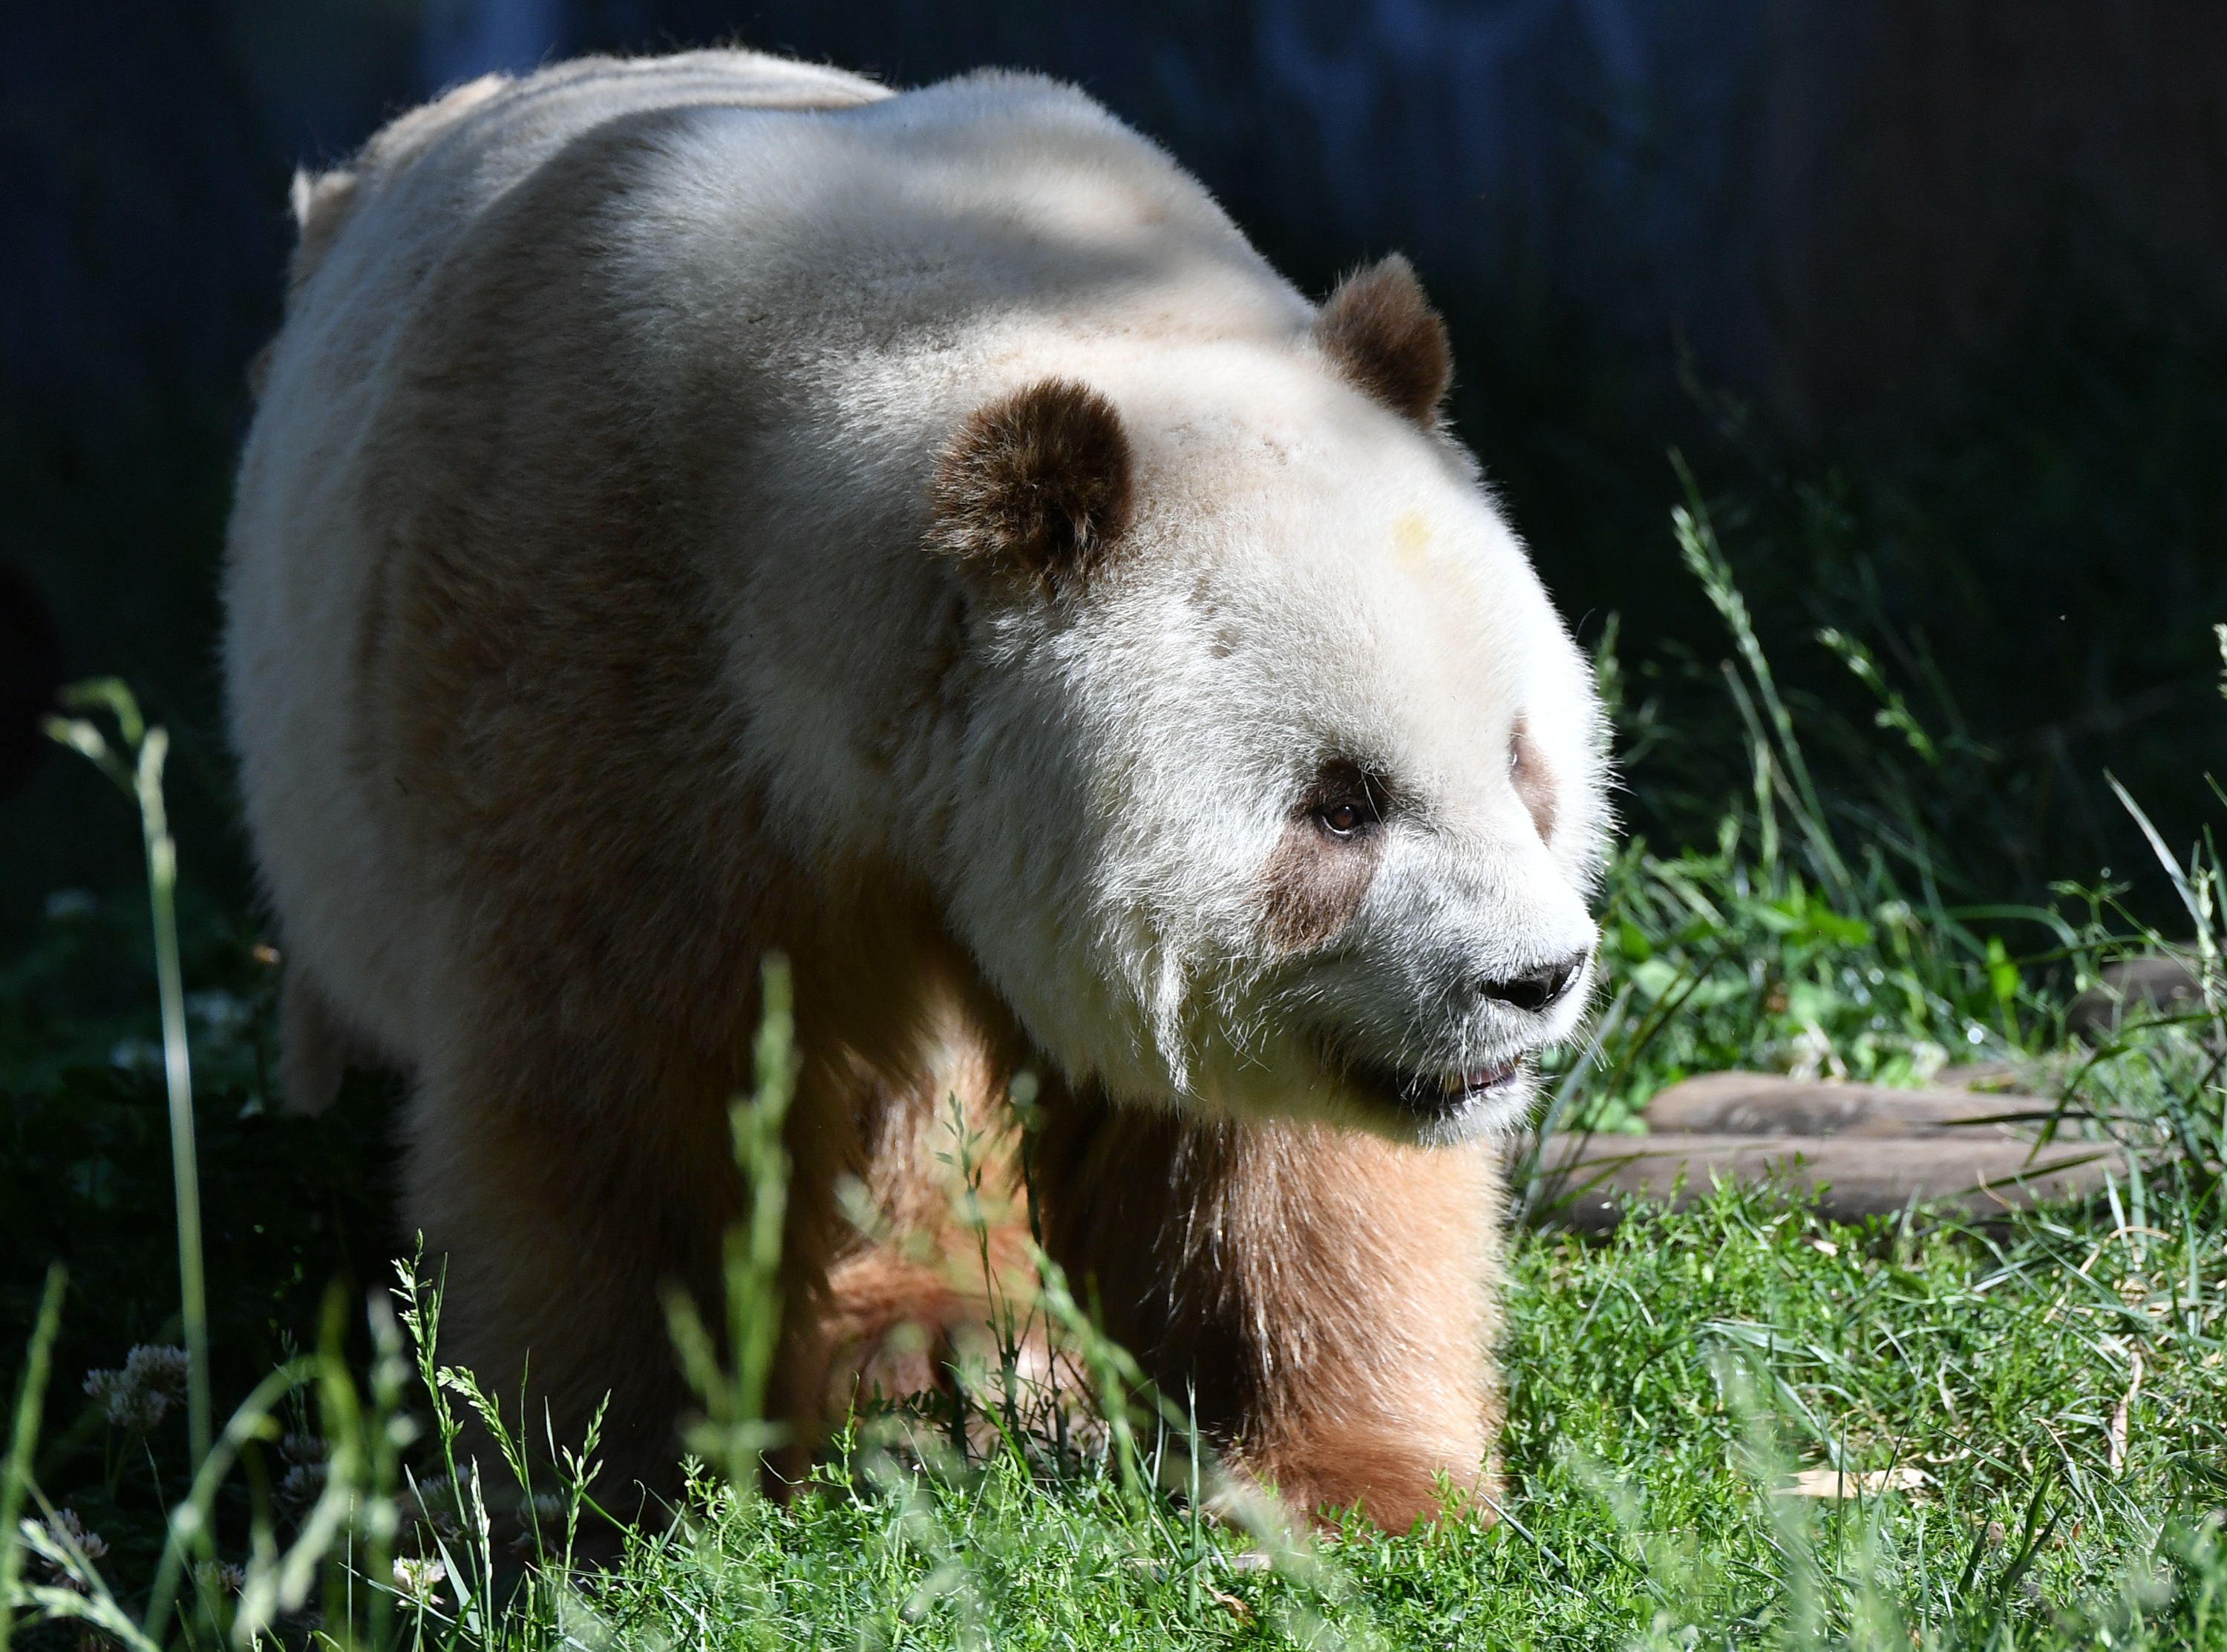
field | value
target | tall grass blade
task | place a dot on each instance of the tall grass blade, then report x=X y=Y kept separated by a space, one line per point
x=1705 y=558
x=2192 y=897
x=178 y=1074
x=734 y=1431
x=23 y=1440
x=142 y=782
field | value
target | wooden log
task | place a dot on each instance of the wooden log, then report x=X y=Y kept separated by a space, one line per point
x=1854 y=1177
x=1769 y=1104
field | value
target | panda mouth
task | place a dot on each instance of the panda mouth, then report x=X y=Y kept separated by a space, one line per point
x=1435 y=1092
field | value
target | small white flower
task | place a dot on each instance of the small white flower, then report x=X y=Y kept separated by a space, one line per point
x=124 y=1403
x=158 y=1366
x=420 y=1581
x=65 y=1528
x=220 y=1575
x=139 y=1395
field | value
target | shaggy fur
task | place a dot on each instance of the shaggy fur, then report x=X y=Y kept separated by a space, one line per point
x=709 y=505
x=1324 y=1295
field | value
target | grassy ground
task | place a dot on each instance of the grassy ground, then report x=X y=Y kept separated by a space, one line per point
x=1662 y=1386
x=2028 y=1417
x=2049 y=1390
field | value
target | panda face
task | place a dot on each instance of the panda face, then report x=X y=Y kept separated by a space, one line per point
x=1293 y=807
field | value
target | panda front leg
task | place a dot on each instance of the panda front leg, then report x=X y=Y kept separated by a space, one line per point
x=1325 y=1300
x=556 y=1218
x=1371 y=1274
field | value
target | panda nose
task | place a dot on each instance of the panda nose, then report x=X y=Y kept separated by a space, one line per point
x=1535 y=989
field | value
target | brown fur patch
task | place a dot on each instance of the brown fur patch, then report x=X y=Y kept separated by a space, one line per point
x=1382 y=333
x=1314 y=882
x=898 y=1325
x=1393 y=1482
x=1039 y=479
x=1534 y=781
x=889 y=1324
x=1325 y=1298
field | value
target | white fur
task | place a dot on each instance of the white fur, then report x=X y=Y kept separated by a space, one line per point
x=1308 y=575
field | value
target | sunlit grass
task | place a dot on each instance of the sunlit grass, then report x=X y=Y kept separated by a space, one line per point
x=1665 y=1386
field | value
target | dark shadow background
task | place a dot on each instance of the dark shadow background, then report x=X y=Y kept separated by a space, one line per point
x=1929 y=292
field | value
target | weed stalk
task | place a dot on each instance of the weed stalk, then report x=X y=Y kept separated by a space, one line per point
x=23 y=1442
x=734 y=1431
x=141 y=780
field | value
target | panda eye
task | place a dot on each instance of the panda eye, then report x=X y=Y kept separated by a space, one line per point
x=1346 y=802
x=1345 y=817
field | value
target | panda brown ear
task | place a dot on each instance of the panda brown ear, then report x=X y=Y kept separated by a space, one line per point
x=1038 y=480
x=1381 y=335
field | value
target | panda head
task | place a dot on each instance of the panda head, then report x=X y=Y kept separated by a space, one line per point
x=1281 y=788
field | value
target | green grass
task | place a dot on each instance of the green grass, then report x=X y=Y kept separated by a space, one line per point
x=1661 y=1385
x=2045 y=1391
